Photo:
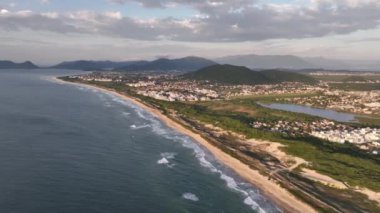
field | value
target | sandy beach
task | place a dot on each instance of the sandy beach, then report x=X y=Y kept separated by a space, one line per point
x=280 y=196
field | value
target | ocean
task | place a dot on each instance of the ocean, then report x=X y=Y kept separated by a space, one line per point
x=66 y=148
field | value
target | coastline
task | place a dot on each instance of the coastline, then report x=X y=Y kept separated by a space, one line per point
x=286 y=201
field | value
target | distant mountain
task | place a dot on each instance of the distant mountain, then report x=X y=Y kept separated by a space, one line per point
x=13 y=65
x=292 y=62
x=231 y=74
x=268 y=61
x=164 y=64
x=327 y=63
x=95 y=65
x=364 y=65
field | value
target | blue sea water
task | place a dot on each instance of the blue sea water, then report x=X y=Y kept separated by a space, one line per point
x=66 y=148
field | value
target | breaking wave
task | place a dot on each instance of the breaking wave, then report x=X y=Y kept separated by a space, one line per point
x=166 y=157
x=163 y=161
x=190 y=196
x=139 y=127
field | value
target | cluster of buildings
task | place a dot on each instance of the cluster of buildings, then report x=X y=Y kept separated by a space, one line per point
x=179 y=95
x=272 y=89
x=364 y=138
x=168 y=87
x=298 y=127
x=100 y=77
x=178 y=90
x=158 y=86
x=367 y=102
x=189 y=90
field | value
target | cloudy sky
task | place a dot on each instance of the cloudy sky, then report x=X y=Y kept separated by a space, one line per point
x=49 y=31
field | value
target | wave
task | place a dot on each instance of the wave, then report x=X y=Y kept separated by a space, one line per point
x=163 y=161
x=251 y=196
x=139 y=127
x=190 y=196
x=166 y=157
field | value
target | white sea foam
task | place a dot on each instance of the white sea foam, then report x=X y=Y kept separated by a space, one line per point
x=163 y=161
x=190 y=196
x=166 y=157
x=139 y=127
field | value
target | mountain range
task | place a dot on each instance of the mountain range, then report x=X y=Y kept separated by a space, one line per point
x=191 y=63
x=95 y=65
x=267 y=61
x=231 y=74
x=13 y=65
x=186 y=64
x=292 y=62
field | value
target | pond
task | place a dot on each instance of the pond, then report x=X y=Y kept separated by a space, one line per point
x=324 y=113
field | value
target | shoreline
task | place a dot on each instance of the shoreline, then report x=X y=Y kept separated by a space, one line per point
x=282 y=198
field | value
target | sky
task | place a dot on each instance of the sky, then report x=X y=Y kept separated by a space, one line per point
x=50 y=31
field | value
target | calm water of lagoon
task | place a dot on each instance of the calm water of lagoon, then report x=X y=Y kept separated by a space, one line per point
x=324 y=113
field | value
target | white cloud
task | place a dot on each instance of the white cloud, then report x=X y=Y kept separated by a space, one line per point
x=217 y=21
x=3 y=11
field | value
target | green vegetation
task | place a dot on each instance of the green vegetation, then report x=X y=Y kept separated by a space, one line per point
x=343 y=162
x=355 y=78
x=278 y=76
x=230 y=74
x=355 y=86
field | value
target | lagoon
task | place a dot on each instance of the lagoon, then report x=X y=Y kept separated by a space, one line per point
x=324 y=113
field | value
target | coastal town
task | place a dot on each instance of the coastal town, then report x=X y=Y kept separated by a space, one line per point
x=170 y=88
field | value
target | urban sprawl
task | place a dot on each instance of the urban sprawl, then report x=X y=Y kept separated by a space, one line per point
x=172 y=88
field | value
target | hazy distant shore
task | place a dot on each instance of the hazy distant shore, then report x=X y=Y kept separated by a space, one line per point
x=283 y=198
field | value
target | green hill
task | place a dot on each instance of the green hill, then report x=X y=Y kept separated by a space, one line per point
x=277 y=76
x=231 y=74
